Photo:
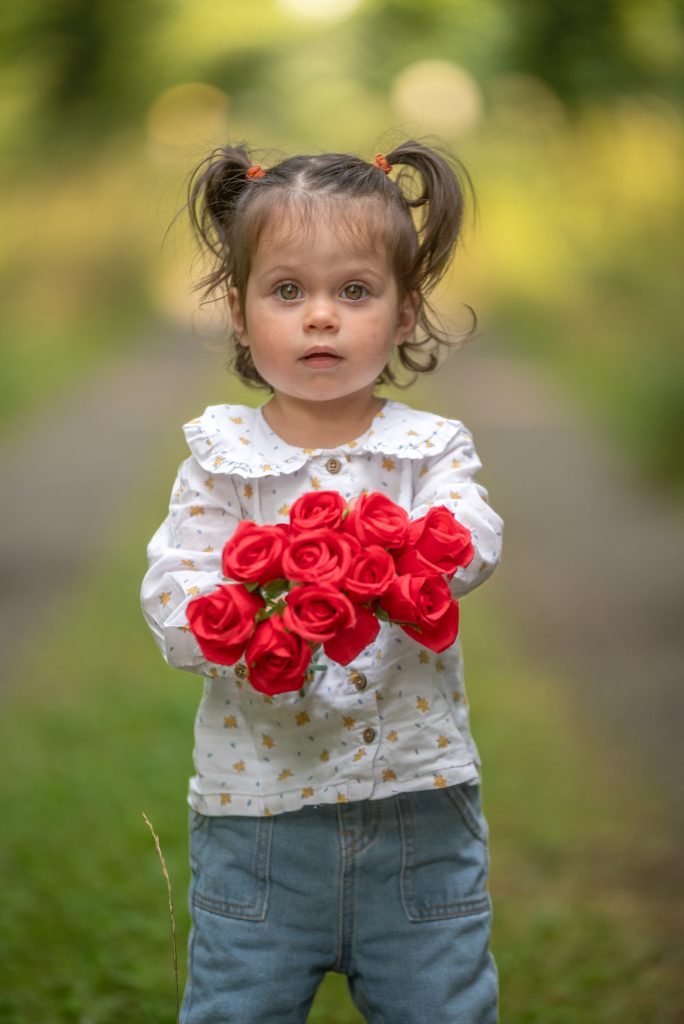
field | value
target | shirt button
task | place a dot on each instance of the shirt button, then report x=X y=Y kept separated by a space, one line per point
x=358 y=680
x=368 y=735
x=240 y=670
x=333 y=465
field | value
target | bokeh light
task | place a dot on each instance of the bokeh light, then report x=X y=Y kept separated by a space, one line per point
x=438 y=96
x=187 y=116
x=320 y=10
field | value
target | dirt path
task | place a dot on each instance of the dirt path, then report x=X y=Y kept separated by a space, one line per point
x=68 y=474
x=593 y=569
x=593 y=565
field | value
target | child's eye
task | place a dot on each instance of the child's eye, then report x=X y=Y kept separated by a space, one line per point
x=355 y=291
x=288 y=291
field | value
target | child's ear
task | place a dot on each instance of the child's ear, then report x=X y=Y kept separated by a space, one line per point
x=237 y=316
x=407 y=316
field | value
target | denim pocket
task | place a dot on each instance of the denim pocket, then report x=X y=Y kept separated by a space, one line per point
x=229 y=857
x=445 y=863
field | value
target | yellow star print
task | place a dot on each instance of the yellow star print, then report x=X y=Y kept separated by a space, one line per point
x=393 y=736
x=307 y=792
x=388 y=775
x=164 y=598
x=348 y=722
x=239 y=766
x=422 y=704
x=285 y=774
x=440 y=782
x=442 y=742
x=424 y=658
x=360 y=754
x=249 y=490
x=325 y=756
x=301 y=718
x=388 y=464
x=267 y=740
x=196 y=510
x=226 y=798
x=230 y=722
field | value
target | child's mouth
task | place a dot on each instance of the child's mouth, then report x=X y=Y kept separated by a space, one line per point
x=320 y=360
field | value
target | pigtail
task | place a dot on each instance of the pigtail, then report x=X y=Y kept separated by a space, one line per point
x=214 y=190
x=437 y=187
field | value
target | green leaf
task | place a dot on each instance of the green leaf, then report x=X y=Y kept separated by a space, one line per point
x=274 y=587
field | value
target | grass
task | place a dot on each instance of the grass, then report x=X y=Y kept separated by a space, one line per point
x=97 y=730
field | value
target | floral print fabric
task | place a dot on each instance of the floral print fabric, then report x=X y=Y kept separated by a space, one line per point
x=397 y=718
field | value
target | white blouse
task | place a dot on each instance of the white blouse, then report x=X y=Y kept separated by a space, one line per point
x=394 y=720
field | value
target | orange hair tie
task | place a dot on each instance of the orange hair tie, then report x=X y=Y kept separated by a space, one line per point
x=382 y=162
x=256 y=171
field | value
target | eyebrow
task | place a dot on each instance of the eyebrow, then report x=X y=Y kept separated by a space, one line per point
x=349 y=270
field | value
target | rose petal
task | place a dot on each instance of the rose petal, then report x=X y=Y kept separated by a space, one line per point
x=348 y=644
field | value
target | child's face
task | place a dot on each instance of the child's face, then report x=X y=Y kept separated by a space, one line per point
x=322 y=313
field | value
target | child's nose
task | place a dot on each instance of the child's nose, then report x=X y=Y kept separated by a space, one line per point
x=321 y=315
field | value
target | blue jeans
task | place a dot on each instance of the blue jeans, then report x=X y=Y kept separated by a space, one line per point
x=391 y=893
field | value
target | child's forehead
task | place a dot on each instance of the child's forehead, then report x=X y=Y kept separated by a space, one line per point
x=357 y=227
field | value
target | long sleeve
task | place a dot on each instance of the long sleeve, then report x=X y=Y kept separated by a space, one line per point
x=184 y=558
x=449 y=479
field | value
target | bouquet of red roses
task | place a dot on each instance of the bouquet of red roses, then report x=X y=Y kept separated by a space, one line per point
x=328 y=580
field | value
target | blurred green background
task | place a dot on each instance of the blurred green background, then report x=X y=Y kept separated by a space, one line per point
x=568 y=116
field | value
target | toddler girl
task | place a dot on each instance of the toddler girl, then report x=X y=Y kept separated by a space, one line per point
x=336 y=828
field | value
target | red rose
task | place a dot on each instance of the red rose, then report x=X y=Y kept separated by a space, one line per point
x=223 y=622
x=318 y=556
x=349 y=643
x=425 y=602
x=276 y=660
x=317 y=509
x=376 y=519
x=436 y=543
x=254 y=553
x=370 y=574
x=318 y=611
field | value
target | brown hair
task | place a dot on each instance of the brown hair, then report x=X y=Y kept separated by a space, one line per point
x=230 y=209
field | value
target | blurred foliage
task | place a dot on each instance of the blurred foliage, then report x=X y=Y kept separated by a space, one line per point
x=567 y=114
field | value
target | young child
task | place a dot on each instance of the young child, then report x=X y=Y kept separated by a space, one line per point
x=337 y=828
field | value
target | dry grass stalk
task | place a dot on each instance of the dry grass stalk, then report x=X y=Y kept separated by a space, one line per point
x=173 y=919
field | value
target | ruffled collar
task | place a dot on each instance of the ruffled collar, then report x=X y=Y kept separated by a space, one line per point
x=237 y=439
